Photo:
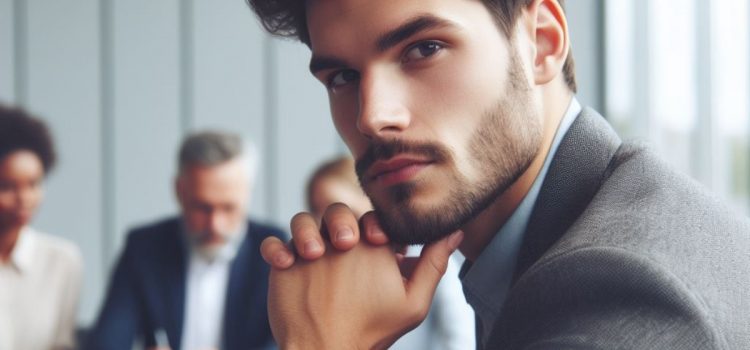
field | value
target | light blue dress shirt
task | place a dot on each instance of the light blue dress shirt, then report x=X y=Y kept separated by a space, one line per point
x=487 y=280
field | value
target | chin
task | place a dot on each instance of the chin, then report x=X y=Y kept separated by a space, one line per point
x=419 y=221
x=209 y=250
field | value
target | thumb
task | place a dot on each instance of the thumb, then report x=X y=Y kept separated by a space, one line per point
x=430 y=268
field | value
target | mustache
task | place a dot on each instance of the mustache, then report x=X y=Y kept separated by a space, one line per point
x=383 y=150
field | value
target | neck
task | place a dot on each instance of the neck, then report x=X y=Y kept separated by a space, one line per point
x=8 y=239
x=480 y=231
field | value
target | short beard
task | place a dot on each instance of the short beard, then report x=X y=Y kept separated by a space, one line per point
x=504 y=145
x=207 y=251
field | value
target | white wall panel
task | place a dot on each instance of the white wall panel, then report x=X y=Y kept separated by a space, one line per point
x=584 y=21
x=229 y=79
x=305 y=132
x=146 y=112
x=7 y=95
x=63 y=88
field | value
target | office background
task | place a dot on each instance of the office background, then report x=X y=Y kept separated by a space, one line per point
x=120 y=82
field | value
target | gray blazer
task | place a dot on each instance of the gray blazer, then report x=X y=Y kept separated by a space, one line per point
x=623 y=252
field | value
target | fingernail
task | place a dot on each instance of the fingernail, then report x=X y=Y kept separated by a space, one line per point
x=345 y=234
x=312 y=246
x=281 y=259
x=455 y=239
x=375 y=233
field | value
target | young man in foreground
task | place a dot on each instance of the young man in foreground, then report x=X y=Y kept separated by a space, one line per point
x=462 y=118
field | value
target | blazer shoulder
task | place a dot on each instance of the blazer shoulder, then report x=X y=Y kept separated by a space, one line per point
x=605 y=298
x=643 y=199
x=647 y=216
x=154 y=233
x=263 y=230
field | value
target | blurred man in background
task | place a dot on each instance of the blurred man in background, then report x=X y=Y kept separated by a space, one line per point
x=195 y=281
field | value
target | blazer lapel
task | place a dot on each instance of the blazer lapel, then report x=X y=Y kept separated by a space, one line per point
x=574 y=177
x=244 y=297
x=174 y=282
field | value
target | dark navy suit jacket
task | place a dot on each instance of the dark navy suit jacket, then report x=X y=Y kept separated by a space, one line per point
x=147 y=292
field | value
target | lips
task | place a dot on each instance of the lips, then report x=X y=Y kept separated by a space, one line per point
x=396 y=170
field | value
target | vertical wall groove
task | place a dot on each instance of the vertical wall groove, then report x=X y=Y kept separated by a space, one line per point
x=186 y=64
x=270 y=112
x=106 y=111
x=642 y=120
x=20 y=51
x=601 y=55
x=702 y=164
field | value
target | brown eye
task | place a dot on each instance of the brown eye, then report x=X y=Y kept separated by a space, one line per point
x=422 y=50
x=342 y=77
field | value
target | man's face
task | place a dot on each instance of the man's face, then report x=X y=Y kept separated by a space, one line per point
x=213 y=201
x=433 y=101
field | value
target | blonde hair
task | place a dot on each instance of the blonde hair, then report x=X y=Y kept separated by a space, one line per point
x=341 y=168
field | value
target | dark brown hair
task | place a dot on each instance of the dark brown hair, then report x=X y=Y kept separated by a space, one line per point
x=20 y=131
x=287 y=18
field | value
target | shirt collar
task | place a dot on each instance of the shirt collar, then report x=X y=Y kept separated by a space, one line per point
x=487 y=280
x=22 y=256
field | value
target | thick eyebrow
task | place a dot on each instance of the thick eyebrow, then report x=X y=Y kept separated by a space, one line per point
x=319 y=63
x=386 y=40
x=410 y=28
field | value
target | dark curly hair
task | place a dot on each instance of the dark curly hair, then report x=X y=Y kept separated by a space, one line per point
x=287 y=18
x=21 y=131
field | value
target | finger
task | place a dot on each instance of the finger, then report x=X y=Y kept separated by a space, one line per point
x=306 y=236
x=373 y=233
x=430 y=268
x=276 y=253
x=342 y=226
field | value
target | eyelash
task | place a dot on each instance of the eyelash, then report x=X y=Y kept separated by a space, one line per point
x=434 y=45
x=335 y=74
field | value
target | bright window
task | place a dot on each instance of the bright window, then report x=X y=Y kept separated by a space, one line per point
x=677 y=77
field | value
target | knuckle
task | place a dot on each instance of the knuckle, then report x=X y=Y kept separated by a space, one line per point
x=338 y=212
x=303 y=225
x=338 y=206
x=438 y=265
x=269 y=244
x=301 y=218
x=417 y=314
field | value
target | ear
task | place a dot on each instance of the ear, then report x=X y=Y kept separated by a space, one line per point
x=550 y=36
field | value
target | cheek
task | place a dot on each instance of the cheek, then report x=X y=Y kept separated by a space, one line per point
x=6 y=202
x=346 y=126
x=451 y=101
x=236 y=216
x=196 y=219
x=231 y=218
x=36 y=197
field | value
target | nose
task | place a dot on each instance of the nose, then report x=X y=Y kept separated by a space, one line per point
x=382 y=107
x=215 y=223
